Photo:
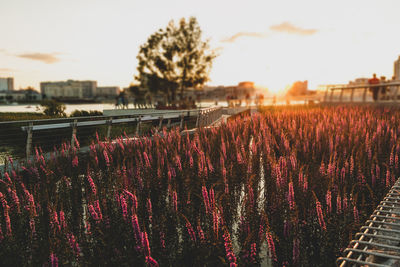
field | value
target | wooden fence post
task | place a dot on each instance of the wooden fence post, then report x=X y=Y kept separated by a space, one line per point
x=138 y=126
x=198 y=119
x=29 y=131
x=109 y=123
x=341 y=95
x=181 y=124
x=160 y=124
x=73 y=125
x=352 y=95
x=326 y=94
x=365 y=94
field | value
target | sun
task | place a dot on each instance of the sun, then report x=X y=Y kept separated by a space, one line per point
x=273 y=87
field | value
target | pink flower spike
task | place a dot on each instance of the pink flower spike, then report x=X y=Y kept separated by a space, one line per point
x=151 y=262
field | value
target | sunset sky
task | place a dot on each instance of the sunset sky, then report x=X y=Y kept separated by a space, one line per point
x=272 y=43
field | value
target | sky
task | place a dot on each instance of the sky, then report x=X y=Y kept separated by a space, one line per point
x=270 y=42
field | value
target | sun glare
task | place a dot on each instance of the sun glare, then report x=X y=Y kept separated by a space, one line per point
x=274 y=87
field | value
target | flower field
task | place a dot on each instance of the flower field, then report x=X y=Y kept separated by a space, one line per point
x=285 y=187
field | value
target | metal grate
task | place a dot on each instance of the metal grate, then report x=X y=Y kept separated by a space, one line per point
x=378 y=243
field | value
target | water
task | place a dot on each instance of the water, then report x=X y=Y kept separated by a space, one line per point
x=69 y=107
x=101 y=106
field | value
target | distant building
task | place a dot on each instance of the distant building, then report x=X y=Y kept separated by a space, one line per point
x=69 y=89
x=298 y=88
x=107 y=91
x=397 y=69
x=5 y=97
x=246 y=84
x=19 y=96
x=359 y=81
x=7 y=84
x=236 y=91
x=213 y=92
x=240 y=90
x=31 y=94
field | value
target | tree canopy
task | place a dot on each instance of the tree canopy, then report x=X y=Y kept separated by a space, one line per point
x=174 y=59
x=53 y=108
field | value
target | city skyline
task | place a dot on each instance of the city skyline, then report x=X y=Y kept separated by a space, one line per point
x=271 y=43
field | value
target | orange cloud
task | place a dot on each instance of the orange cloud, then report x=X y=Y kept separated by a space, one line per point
x=244 y=34
x=44 y=57
x=287 y=27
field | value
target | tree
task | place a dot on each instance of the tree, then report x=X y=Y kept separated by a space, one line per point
x=175 y=58
x=30 y=93
x=85 y=113
x=141 y=97
x=53 y=108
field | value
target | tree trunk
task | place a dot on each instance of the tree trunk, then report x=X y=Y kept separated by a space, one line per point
x=181 y=93
x=173 y=96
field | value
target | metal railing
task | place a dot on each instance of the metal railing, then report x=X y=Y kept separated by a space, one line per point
x=208 y=116
x=385 y=91
x=18 y=138
x=378 y=243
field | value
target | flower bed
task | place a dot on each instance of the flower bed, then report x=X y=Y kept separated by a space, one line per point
x=284 y=187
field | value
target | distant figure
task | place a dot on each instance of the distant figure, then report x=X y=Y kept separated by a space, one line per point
x=261 y=100
x=257 y=100
x=248 y=100
x=375 y=90
x=125 y=103
x=123 y=100
x=228 y=100
x=134 y=102
x=117 y=102
x=192 y=103
x=148 y=101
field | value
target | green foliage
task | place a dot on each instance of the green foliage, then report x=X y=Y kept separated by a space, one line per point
x=134 y=90
x=53 y=108
x=175 y=58
x=85 y=113
x=19 y=116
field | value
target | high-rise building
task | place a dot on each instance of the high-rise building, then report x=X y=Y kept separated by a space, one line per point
x=7 y=84
x=397 y=69
x=68 y=89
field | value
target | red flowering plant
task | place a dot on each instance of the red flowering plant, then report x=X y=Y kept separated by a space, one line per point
x=287 y=186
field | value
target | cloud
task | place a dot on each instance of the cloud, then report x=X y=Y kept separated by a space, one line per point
x=287 y=27
x=48 y=58
x=244 y=34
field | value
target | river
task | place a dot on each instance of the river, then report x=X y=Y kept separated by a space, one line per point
x=69 y=107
